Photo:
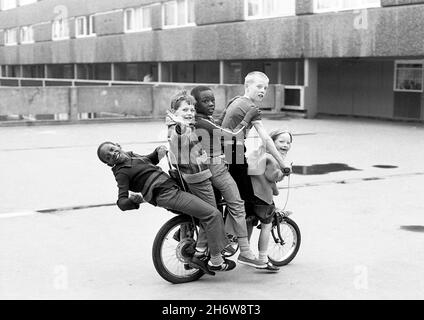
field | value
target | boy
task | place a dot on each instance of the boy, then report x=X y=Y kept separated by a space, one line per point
x=210 y=134
x=256 y=85
x=141 y=174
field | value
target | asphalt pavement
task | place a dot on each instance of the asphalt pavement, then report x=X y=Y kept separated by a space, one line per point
x=356 y=195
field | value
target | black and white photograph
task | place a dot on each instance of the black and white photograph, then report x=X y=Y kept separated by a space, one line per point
x=211 y=156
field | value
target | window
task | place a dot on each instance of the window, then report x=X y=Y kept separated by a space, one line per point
x=137 y=19
x=409 y=76
x=11 y=37
x=84 y=26
x=25 y=2
x=178 y=13
x=339 y=5
x=60 y=29
x=7 y=4
x=27 y=34
x=269 y=8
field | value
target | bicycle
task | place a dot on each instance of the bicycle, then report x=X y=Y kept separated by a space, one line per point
x=175 y=241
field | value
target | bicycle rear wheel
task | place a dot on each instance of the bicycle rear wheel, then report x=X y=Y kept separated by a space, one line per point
x=284 y=243
x=172 y=247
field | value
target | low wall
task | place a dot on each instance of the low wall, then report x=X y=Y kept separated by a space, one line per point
x=70 y=104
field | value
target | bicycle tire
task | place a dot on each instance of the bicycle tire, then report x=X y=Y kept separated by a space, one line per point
x=275 y=246
x=166 y=235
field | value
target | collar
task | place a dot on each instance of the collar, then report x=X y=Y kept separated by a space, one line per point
x=126 y=164
x=203 y=116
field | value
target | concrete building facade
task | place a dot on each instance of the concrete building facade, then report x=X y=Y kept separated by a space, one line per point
x=342 y=57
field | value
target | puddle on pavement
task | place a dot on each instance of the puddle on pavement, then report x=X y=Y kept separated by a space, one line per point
x=319 y=169
x=413 y=228
x=385 y=166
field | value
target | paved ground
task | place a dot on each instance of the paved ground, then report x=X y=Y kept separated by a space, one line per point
x=362 y=229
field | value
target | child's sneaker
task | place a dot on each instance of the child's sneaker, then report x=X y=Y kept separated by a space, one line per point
x=229 y=250
x=270 y=267
x=227 y=265
x=256 y=263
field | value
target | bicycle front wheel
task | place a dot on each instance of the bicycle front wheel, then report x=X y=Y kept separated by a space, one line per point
x=284 y=242
x=172 y=247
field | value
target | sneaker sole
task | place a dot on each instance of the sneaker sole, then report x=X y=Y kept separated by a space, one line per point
x=250 y=264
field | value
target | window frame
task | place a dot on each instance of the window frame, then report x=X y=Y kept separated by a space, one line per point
x=261 y=14
x=3 y=7
x=88 y=23
x=395 y=82
x=138 y=19
x=60 y=22
x=7 y=36
x=27 y=3
x=30 y=31
x=186 y=22
x=340 y=8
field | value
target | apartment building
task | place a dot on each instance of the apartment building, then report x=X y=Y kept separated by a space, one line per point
x=344 y=57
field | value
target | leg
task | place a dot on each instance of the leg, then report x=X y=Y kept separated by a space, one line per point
x=209 y=216
x=222 y=180
x=203 y=190
x=264 y=237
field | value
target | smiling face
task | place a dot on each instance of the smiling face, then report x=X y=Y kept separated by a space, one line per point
x=206 y=103
x=283 y=143
x=186 y=112
x=256 y=88
x=112 y=154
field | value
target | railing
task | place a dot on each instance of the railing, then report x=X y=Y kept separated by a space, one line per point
x=37 y=100
x=45 y=82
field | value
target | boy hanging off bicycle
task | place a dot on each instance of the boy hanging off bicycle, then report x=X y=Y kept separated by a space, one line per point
x=140 y=174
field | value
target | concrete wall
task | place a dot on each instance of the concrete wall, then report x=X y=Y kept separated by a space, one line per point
x=137 y=101
x=376 y=32
x=28 y=101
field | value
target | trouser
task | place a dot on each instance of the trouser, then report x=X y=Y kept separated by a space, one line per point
x=224 y=182
x=209 y=216
x=204 y=191
x=244 y=184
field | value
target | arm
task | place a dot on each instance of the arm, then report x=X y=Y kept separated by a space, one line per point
x=272 y=171
x=209 y=126
x=275 y=191
x=124 y=202
x=156 y=155
x=270 y=147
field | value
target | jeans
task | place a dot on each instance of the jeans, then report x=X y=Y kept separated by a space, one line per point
x=210 y=217
x=204 y=191
x=224 y=182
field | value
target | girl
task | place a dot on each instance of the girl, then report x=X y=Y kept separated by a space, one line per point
x=264 y=176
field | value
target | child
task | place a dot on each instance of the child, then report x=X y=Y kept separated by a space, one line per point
x=140 y=174
x=189 y=156
x=221 y=179
x=256 y=85
x=265 y=187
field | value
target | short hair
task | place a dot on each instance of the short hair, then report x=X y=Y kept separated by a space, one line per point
x=254 y=74
x=180 y=97
x=100 y=148
x=276 y=133
x=195 y=92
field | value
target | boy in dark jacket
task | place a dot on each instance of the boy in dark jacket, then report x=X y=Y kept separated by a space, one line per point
x=140 y=174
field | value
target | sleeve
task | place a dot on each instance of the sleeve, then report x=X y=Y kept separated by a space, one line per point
x=213 y=128
x=153 y=157
x=123 y=186
x=272 y=171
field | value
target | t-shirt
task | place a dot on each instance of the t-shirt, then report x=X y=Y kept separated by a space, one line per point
x=235 y=112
